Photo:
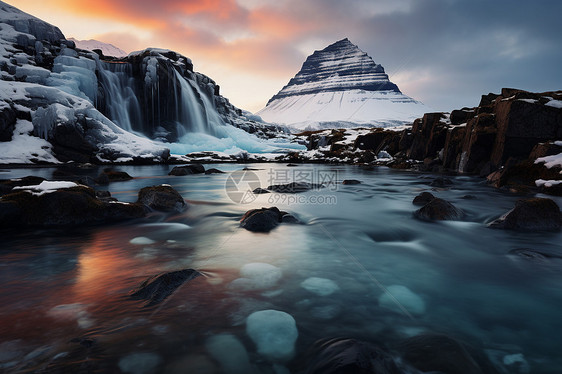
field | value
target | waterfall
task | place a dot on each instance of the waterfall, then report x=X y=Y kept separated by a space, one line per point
x=120 y=102
x=172 y=105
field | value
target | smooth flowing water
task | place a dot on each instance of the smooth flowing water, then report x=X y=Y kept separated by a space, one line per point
x=64 y=293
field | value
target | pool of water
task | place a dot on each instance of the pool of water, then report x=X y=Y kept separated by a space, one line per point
x=64 y=301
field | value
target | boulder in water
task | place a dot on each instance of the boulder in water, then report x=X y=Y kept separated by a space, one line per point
x=162 y=197
x=423 y=198
x=535 y=214
x=187 y=170
x=158 y=287
x=294 y=187
x=439 y=210
x=261 y=220
x=351 y=181
x=61 y=203
x=213 y=171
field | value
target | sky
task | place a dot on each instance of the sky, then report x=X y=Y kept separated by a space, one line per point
x=445 y=53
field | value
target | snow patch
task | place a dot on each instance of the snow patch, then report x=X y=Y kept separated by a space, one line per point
x=46 y=187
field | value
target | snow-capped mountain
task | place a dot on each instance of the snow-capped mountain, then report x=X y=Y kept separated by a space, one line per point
x=105 y=48
x=341 y=86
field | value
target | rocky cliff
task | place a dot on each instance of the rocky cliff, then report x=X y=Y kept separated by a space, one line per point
x=512 y=138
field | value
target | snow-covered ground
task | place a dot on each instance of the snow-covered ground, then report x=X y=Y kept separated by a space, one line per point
x=341 y=109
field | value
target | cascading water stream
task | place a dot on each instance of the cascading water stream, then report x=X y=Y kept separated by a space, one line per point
x=120 y=101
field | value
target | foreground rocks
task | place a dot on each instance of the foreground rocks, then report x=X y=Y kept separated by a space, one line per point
x=349 y=356
x=265 y=219
x=536 y=214
x=157 y=288
x=437 y=353
x=71 y=206
x=64 y=203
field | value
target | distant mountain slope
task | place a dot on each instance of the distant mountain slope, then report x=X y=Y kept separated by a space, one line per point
x=341 y=86
x=106 y=48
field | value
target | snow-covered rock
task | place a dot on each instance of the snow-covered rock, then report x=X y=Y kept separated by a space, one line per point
x=341 y=86
x=397 y=297
x=106 y=48
x=29 y=24
x=274 y=333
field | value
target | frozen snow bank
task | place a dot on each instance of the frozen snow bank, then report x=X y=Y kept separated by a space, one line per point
x=274 y=333
x=400 y=295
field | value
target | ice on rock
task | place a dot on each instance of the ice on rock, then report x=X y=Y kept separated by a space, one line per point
x=257 y=276
x=139 y=363
x=274 y=333
x=320 y=286
x=397 y=297
x=230 y=353
x=141 y=240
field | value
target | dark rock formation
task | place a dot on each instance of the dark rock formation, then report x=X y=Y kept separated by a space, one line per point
x=536 y=214
x=351 y=181
x=294 y=187
x=187 y=170
x=158 y=287
x=439 y=210
x=348 y=356
x=260 y=190
x=265 y=219
x=423 y=198
x=214 y=171
x=63 y=207
x=163 y=198
x=442 y=354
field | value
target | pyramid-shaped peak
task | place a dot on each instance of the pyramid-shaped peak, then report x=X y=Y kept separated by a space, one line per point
x=341 y=66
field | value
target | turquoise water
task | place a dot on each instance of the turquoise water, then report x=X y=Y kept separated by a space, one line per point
x=57 y=286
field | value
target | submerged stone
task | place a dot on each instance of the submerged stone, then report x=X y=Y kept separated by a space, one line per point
x=320 y=286
x=348 y=356
x=261 y=220
x=158 y=287
x=274 y=333
x=139 y=363
x=398 y=297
